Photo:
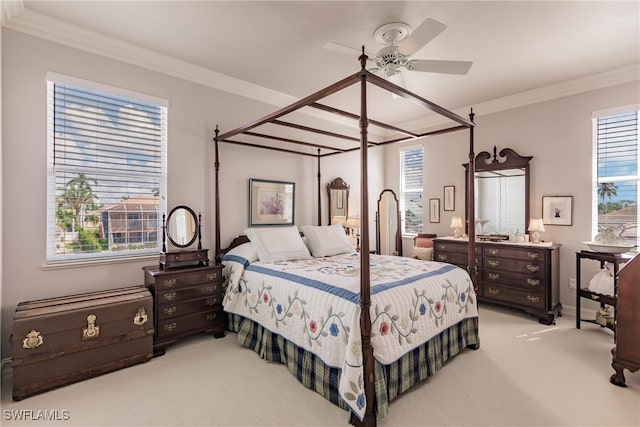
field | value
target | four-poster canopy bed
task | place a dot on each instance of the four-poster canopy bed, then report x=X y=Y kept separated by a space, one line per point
x=366 y=387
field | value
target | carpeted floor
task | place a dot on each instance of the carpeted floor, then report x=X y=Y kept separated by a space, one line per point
x=524 y=374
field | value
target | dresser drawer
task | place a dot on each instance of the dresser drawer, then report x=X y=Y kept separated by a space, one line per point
x=514 y=296
x=169 y=311
x=452 y=258
x=184 y=294
x=529 y=254
x=532 y=268
x=519 y=280
x=459 y=247
x=169 y=282
x=194 y=322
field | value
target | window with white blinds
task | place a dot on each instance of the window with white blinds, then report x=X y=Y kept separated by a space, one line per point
x=617 y=172
x=107 y=173
x=411 y=165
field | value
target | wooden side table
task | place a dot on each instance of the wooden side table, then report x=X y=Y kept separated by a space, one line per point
x=616 y=260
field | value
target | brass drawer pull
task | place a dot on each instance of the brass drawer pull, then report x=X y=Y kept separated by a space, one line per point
x=443 y=247
x=170 y=326
x=533 y=282
x=533 y=255
x=494 y=276
x=212 y=301
x=210 y=289
x=169 y=296
x=211 y=276
x=442 y=257
x=211 y=316
x=493 y=263
x=169 y=283
x=533 y=298
x=494 y=291
x=533 y=268
x=493 y=251
x=33 y=340
x=595 y=297
x=170 y=310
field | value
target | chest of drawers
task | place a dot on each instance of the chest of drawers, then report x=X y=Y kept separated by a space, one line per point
x=186 y=301
x=519 y=276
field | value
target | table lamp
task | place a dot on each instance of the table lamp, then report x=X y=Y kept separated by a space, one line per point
x=456 y=224
x=535 y=227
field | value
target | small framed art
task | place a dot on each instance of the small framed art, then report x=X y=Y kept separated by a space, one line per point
x=556 y=210
x=449 y=198
x=271 y=202
x=434 y=210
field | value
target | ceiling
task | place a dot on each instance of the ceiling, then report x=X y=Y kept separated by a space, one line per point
x=515 y=46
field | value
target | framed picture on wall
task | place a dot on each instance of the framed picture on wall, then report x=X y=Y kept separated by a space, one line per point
x=434 y=210
x=449 y=198
x=271 y=202
x=556 y=210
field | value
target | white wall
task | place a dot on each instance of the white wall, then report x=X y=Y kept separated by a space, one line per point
x=558 y=135
x=194 y=111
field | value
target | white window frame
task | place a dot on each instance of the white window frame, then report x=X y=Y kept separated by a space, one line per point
x=53 y=259
x=403 y=190
x=596 y=181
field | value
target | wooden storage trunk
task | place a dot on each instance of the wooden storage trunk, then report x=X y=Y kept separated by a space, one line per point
x=59 y=341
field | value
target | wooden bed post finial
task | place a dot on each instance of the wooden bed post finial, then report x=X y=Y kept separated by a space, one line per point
x=363 y=59
x=216 y=166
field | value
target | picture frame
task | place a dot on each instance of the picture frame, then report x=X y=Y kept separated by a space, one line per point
x=557 y=210
x=271 y=202
x=449 y=198
x=434 y=210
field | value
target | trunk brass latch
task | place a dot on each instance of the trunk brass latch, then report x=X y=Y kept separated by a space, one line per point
x=92 y=330
x=141 y=317
x=33 y=340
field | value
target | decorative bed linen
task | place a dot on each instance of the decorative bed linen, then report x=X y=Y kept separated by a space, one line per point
x=314 y=304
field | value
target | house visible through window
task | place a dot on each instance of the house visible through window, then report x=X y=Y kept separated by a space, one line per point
x=411 y=165
x=107 y=171
x=617 y=172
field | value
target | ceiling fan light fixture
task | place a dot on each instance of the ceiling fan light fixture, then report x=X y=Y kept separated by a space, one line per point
x=397 y=79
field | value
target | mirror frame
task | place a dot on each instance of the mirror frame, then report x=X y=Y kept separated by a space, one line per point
x=196 y=232
x=510 y=160
x=338 y=184
x=398 y=237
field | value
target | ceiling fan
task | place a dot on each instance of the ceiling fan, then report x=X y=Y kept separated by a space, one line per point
x=402 y=42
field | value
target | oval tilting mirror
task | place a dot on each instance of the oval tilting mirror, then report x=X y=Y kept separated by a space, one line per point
x=182 y=226
x=388 y=230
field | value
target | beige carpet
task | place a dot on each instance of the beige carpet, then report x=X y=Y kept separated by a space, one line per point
x=525 y=374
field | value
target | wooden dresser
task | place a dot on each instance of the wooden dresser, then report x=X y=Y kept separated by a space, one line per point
x=519 y=275
x=186 y=301
x=626 y=353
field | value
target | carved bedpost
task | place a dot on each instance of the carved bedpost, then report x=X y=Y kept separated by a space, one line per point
x=471 y=229
x=365 y=279
x=319 y=197
x=216 y=166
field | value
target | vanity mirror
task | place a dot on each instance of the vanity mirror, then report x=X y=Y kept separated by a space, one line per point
x=338 y=198
x=501 y=193
x=182 y=228
x=388 y=230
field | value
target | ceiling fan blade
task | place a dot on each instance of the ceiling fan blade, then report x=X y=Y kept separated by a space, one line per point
x=422 y=35
x=335 y=47
x=437 y=66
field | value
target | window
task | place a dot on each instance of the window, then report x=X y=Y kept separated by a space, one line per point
x=411 y=164
x=617 y=172
x=107 y=171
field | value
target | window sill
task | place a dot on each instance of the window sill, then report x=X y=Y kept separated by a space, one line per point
x=55 y=265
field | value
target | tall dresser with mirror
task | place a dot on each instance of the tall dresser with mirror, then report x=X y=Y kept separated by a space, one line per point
x=187 y=291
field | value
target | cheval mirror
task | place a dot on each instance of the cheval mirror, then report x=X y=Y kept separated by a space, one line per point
x=501 y=194
x=338 y=199
x=182 y=228
x=388 y=230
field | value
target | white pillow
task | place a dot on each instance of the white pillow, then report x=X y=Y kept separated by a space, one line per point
x=327 y=240
x=278 y=244
x=245 y=253
x=236 y=260
x=425 y=254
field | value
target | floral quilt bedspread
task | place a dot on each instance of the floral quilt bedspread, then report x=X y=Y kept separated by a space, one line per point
x=315 y=304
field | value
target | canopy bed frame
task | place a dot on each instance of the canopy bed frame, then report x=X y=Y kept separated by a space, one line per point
x=363 y=143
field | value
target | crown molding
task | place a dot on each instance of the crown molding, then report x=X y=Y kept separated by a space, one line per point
x=16 y=17
x=9 y=9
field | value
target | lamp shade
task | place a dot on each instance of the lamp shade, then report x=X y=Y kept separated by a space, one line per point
x=353 y=222
x=456 y=222
x=536 y=225
x=339 y=219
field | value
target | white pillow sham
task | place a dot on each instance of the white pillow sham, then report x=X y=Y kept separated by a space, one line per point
x=327 y=240
x=278 y=244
